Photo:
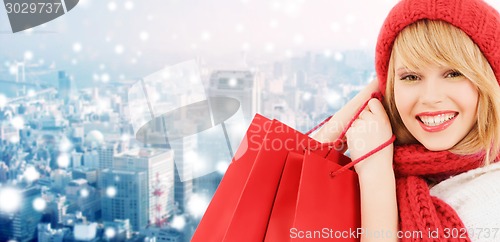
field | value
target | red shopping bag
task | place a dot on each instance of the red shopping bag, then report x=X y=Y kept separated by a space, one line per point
x=241 y=207
x=219 y=213
x=318 y=196
x=312 y=204
x=283 y=211
x=242 y=204
x=328 y=207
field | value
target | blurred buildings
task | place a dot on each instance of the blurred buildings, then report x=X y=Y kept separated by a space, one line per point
x=72 y=154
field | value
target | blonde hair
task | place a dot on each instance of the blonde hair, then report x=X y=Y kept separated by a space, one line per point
x=416 y=46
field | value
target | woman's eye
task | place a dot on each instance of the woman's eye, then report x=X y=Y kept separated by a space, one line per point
x=409 y=78
x=452 y=74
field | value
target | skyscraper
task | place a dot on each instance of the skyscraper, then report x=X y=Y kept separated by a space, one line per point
x=184 y=169
x=65 y=86
x=159 y=166
x=106 y=153
x=125 y=196
x=241 y=85
x=22 y=224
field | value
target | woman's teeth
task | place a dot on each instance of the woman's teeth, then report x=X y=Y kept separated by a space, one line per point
x=436 y=120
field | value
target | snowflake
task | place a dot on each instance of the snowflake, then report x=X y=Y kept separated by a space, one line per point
x=178 y=222
x=205 y=36
x=28 y=55
x=197 y=205
x=112 y=6
x=129 y=5
x=105 y=77
x=63 y=160
x=298 y=39
x=39 y=204
x=119 y=49
x=17 y=122
x=10 y=199
x=307 y=96
x=222 y=167
x=65 y=145
x=31 y=174
x=84 y=193
x=269 y=47
x=144 y=35
x=111 y=192
x=3 y=101
x=338 y=56
x=77 y=47
x=110 y=232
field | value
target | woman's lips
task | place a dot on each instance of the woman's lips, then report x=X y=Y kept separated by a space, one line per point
x=436 y=121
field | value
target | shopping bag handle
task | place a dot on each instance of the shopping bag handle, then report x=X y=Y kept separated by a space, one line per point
x=340 y=139
x=356 y=161
x=376 y=95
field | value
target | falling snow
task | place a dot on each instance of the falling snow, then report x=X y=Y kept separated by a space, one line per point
x=17 y=122
x=197 y=205
x=129 y=5
x=31 y=174
x=28 y=55
x=63 y=160
x=110 y=232
x=3 y=100
x=77 y=47
x=222 y=167
x=178 y=222
x=13 y=202
x=119 y=49
x=39 y=204
x=111 y=192
x=112 y=6
x=144 y=35
x=84 y=193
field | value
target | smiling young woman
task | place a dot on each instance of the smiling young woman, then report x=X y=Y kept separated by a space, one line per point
x=451 y=74
x=438 y=67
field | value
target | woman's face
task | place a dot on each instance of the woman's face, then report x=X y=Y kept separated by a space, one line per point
x=437 y=104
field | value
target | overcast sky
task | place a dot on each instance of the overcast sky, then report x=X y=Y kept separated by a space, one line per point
x=132 y=37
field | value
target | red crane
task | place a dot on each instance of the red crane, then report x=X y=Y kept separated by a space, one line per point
x=160 y=220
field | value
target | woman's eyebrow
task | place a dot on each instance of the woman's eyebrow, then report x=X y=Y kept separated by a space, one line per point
x=402 y=69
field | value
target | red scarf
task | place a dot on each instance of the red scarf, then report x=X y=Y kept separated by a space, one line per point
x=418 y=210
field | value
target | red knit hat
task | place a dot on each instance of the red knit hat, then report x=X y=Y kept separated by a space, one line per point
x=475 y=17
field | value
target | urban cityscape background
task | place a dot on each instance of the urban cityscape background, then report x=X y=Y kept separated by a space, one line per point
x=72 y=165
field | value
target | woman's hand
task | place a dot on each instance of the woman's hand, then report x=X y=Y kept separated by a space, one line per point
x=333 y=128
x=371 y=129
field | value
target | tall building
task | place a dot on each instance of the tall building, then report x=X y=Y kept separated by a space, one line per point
x=58 y=208
x=21 y=225
x=241 y=85
x=91 y=159
x=165 y=235
x=65 y=86
x=159 y=166
x=60 y=179
x=4 y=172
x=85 y=231
x=125 y=196
x=76 y=159
x=85 y=173
x=183 y=170
x=47 y=234
x=106 y=153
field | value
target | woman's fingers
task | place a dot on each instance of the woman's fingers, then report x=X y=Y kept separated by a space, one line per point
x=376 y=107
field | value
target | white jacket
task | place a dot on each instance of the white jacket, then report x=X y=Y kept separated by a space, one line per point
x=475 y=196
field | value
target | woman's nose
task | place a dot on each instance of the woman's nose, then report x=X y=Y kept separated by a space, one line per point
x=432 y=92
